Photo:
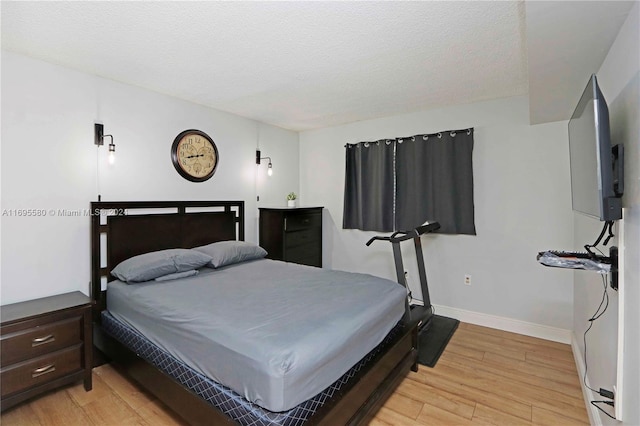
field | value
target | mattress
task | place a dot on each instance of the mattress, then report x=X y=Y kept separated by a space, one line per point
x=275 y=333
x=224 y=399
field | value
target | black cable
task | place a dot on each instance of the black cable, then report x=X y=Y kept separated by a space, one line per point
x=411 y=298
x=610 y=233
x=604 y=295
x=410 y=294
x=597 y=314
x=595 y=404
x=607 y=225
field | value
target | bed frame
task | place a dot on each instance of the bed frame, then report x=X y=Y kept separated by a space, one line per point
x=120 y=230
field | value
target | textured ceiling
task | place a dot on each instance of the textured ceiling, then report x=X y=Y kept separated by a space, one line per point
x=566 y=43
x=297 y=65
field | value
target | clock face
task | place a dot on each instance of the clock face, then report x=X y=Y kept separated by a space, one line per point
x=194 y=155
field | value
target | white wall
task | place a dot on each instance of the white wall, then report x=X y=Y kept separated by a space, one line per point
x=522 y=206
x=49 y=162
x=619 y=79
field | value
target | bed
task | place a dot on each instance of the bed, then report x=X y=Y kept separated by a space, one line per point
x=213 y=383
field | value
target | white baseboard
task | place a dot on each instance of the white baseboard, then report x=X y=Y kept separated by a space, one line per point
x=594 y=416
x=507 y=324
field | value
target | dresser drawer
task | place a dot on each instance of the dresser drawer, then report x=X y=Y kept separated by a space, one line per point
x=305 y=254
x=304 y=236
x=35 y=341
x=294 y=222
x=40 y=370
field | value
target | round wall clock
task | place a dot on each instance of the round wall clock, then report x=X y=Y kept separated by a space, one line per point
x=194 y=155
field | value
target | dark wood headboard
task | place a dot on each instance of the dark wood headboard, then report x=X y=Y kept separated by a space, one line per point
x=122 y=229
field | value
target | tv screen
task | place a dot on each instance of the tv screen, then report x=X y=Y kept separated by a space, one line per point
x=592 y=158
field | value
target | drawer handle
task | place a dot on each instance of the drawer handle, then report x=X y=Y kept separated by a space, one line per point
x=43 y=340
x=43 y=370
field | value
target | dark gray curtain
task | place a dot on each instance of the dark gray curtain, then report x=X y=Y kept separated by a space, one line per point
x=434 y=181
x=368 y=187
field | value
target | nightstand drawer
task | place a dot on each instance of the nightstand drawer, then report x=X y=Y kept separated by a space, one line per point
x=39 y=340
x=294 y=222
x=31 y=373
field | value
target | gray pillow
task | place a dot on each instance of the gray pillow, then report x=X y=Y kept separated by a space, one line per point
x=155 y=264
x=230 y=252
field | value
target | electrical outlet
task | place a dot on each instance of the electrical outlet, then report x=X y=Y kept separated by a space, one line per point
x=467 y=279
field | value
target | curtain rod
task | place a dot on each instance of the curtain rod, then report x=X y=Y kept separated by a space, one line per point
x=438 y=134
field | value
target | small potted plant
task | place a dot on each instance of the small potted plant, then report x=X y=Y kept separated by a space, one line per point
x=291 y=199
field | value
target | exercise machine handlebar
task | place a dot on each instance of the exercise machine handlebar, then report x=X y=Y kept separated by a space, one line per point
x=427 y=228
x=394 y=238
x=407 y=235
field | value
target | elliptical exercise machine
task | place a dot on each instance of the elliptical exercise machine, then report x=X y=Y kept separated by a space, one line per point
x=434 y=331
x=420 y=313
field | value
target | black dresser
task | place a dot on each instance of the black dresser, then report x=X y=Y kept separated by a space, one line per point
x=292 y=234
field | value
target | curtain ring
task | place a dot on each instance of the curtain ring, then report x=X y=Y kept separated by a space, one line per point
x=425 y=137
x=468 y=131
x=452 y=134
x=388 y=142
x=413 y=138
x=377 y=143
x=400 y=140
x=366 y=144
x=439 y=135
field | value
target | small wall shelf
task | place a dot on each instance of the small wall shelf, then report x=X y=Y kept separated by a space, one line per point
x=585 y=261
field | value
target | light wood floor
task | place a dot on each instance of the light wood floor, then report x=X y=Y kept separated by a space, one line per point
x=485 y=376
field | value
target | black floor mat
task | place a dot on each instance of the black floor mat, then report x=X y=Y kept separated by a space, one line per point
x=433 y=339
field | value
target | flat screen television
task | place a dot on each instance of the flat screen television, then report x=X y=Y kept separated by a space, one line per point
x=596 y=166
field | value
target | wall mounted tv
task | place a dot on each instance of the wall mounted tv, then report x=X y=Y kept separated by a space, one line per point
x=596 y=167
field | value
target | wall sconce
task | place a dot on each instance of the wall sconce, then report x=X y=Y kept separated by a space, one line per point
x=269 y=167
x=99 y=140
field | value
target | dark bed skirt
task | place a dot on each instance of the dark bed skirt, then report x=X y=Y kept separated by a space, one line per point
x=224 y=399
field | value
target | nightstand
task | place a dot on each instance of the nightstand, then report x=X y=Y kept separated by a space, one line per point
x=292 y=234
x=45 y=343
